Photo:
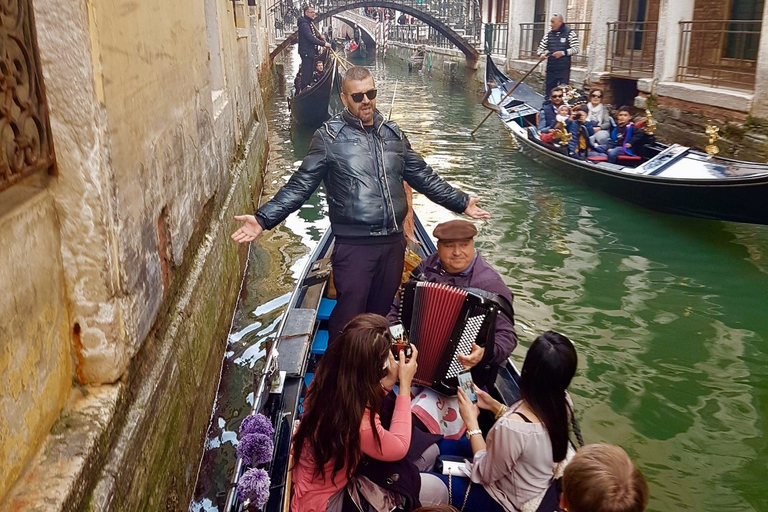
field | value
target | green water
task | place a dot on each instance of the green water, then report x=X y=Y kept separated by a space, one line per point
x=667 y=313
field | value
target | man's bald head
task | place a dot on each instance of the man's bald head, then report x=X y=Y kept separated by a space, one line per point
x=556 y=21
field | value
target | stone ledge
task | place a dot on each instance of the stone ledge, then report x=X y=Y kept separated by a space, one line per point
x=739 y=101
x=55 y=476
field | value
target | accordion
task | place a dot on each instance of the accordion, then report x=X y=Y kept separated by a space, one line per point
x=443 y=321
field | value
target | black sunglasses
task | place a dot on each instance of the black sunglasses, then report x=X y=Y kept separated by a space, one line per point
x=357 y=97
x=597 y=95
x=556 y=96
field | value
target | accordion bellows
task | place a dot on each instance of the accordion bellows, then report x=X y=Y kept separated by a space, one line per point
x=443 y=321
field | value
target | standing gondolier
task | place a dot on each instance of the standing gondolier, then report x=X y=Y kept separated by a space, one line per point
x=309 y=39
x=363 y=160
x=558 y=46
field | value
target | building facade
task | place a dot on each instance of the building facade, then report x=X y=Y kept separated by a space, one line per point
x=131 y=135
x=691 y=61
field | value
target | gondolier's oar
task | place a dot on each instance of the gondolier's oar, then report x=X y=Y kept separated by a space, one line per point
x=338 y=59
x=393 y=101
x=505 y=96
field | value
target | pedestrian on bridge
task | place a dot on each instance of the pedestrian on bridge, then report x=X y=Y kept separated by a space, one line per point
x=363 y=159
x=558 y=46
x=309 y=40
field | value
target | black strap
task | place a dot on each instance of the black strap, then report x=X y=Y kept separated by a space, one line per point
x=525 y=418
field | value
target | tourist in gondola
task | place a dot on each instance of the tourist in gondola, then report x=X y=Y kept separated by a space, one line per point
x=581 y=145
x=599 y=117
x=625 y=138
x=516 y=463
x=602 y=478
x=363 y=160
x=557 y=47
x=309 y=40
x=457 y=263
x=330 y=441
x=317 y=74
x=548 y=112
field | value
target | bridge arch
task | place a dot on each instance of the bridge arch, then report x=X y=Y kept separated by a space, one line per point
x=470 y=52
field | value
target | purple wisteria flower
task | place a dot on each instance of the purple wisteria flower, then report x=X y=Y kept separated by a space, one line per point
x=257 y=424
x=255 y=449
x=253 y=488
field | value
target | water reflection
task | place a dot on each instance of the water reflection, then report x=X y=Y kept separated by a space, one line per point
x=667 y=312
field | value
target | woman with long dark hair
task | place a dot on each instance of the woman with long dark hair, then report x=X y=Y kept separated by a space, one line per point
x=516 y=463
x=337 y=428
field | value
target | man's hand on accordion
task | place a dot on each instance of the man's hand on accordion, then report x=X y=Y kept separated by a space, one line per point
x=473 y=358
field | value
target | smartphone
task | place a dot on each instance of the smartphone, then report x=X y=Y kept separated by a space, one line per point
x=399 y=341
x=466 y=384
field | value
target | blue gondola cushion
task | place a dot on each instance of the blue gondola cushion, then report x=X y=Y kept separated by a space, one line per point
x=320 y=345
x=325 y=309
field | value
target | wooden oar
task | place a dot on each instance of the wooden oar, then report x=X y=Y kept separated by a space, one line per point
x=506 y=96
x=338 y=59
x=393 y=101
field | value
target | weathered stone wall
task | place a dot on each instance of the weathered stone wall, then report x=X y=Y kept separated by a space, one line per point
x=121 y=271
x=35 y=367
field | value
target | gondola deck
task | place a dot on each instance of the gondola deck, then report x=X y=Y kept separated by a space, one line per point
x=675 y=180
x=301 y=340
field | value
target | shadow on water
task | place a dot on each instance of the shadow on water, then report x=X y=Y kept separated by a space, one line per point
x=667 y=313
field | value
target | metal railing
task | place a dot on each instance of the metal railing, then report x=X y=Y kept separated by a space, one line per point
x=719 y=53
x=532 y=33
x=459 y=16
x=631 y=48
x=420 y=33
x=495 y=38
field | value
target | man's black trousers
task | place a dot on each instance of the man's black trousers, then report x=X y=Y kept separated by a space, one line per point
x=307 y=68
x=366 y=279
x=556 y=77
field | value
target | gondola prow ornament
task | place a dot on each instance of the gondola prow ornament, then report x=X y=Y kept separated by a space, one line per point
x=712 y=133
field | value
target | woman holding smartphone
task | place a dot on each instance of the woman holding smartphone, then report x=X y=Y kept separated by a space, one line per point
x=516 y=463
x=338 y=427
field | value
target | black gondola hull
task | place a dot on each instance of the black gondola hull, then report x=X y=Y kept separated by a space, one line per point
x=736 y=202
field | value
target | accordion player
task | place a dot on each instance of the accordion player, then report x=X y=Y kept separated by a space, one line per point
x=443 y=321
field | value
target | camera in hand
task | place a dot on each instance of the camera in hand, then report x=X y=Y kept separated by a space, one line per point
x=399 y=341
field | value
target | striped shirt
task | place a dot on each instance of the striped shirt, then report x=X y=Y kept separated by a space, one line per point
x=573 y=44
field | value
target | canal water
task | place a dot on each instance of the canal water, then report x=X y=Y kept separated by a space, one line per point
x=668 y=314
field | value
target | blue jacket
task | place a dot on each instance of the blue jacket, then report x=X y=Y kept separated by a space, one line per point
x=633 y=137
x=547 y=117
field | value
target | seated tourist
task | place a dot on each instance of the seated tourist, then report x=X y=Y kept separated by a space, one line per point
x=625 y=139
x=516 y=463
x=602 y=478
x=317 y=74
x=581 y=145
x=548 y=112
x=457 y=263
x=330 y=441
x=599 y=117
x=558 y=134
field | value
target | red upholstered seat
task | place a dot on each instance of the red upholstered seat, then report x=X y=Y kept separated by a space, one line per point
x=629 y=158
x=597 y=158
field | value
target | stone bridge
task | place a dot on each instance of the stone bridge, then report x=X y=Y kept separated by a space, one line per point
x=417 y=8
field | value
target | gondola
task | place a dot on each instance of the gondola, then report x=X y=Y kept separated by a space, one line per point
x=301 y=340
x=671 y=178
x=359 y=53
x=316 y=104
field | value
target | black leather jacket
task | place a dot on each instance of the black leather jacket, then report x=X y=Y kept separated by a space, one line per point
x=363 y=175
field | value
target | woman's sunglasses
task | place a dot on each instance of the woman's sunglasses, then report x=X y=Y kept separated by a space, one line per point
x=357 y=97
x=597 y=95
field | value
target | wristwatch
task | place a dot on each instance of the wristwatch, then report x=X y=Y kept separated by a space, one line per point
x=473 y=432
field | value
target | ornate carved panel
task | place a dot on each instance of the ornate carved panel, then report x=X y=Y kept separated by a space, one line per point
x=25 y=135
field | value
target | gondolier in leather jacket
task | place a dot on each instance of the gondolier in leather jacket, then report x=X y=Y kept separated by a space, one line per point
x=558 y=46
x=363 y=160
x=309 y=39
